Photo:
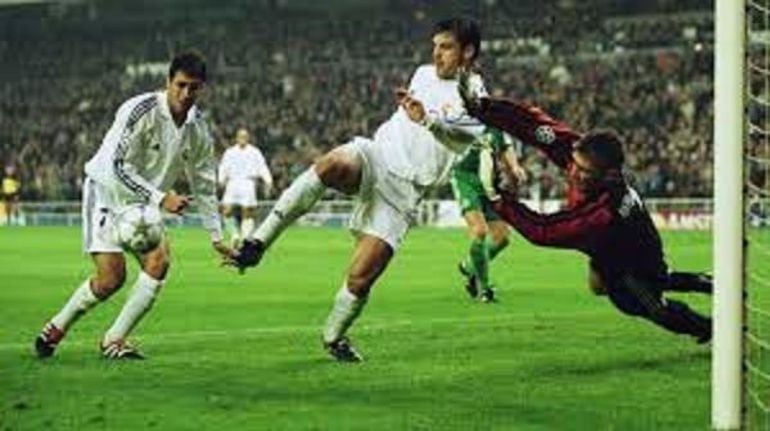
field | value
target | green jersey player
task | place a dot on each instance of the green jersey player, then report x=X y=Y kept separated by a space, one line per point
x=489 y=234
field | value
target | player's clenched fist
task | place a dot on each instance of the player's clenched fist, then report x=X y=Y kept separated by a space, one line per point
x=413 y=107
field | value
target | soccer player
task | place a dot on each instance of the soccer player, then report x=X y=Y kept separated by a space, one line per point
x=154 y=138
x=11 y=189
x=489 y=234
x=241 y=167
x=605 y=218
x=410 y=153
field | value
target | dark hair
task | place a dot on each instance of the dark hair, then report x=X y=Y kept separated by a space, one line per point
x=191 y=63
x=465 y=30
x=603 y=147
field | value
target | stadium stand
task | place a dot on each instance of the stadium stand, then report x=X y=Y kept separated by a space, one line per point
x=304 y=79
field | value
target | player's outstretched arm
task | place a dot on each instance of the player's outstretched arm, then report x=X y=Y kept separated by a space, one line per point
x=455 y=138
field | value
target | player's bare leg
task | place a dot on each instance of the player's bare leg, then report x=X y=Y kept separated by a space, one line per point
x=109 y=276
x=155 y=265
x=338 y=169
x=370 y=258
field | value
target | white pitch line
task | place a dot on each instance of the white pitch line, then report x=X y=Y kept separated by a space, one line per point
x=202 y=334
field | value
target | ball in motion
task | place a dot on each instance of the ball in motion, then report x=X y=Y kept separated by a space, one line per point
x=139 y=227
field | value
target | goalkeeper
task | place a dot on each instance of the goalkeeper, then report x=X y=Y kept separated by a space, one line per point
x=605 y=218
x=488 y=233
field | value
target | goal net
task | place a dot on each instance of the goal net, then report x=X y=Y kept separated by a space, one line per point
x=756 y=356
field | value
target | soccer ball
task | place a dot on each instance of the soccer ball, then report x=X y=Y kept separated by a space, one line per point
x=139 y=227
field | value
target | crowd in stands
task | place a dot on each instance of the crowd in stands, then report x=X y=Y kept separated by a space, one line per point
x=305 y=84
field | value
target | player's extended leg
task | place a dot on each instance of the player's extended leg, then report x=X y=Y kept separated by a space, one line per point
x=690 y=282
x=339 y=169
x=146 y=287
x=644 y=299
x=109 y=276
x=370 y=258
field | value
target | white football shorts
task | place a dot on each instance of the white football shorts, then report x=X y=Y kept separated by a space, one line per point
x=98 y=210
x=240 y=192
x=387 y=204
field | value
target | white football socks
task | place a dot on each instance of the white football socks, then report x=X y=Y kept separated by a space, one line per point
x=345 y=310
x=247 y=227
x=82 y=300
x=295 y=201
x=140 y=300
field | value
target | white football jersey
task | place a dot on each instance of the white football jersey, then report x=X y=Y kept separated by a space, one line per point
x=412 y=152
x=144 y=152
x=243 y=164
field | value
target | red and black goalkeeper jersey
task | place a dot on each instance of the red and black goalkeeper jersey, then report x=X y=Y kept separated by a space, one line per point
x=612 y=226
x=534 y=127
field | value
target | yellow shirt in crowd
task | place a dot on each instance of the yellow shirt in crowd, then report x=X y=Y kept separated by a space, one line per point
x=10 y=186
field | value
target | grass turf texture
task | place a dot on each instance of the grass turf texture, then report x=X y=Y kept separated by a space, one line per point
x=243 y=352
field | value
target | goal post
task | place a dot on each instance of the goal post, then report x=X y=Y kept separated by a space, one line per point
x=729 y=127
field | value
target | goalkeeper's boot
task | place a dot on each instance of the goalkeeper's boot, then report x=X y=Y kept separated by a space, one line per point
x=690 y=282
x=488 y=295
x=471 y=282
x=704 y=338
x=119 y=350
x=342 y=351
x=47 y=340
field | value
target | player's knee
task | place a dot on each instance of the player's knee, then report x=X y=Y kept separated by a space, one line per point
x=478 y=231
x=227 y=211
x=501 y=243
x=156 y=268
x=339 y=170
x=108 y=281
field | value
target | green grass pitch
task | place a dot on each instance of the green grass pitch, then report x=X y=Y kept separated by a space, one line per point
x=243 y=352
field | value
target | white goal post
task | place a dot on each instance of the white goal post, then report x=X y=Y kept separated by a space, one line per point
x=729 y=130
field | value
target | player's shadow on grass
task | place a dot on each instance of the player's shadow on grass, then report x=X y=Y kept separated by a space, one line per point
x=593 y=367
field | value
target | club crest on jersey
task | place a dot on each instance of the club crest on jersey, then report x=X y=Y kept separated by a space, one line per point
x=545 y=134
